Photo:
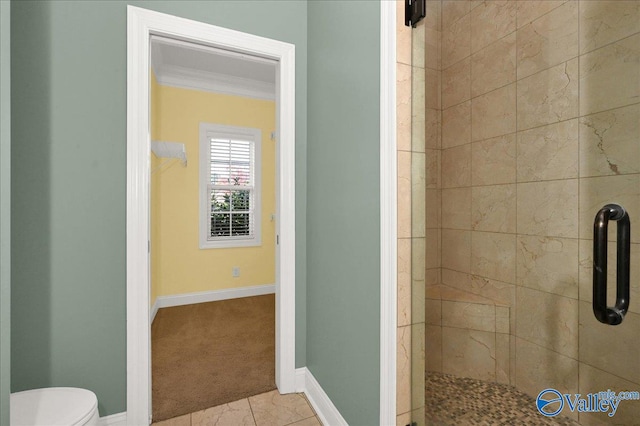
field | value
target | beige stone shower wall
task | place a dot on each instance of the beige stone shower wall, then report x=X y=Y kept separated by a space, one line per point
x=540 y=128
x=418 y=123
x=403 y=124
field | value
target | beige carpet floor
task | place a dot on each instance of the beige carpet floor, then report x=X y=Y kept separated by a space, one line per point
x=213 y=353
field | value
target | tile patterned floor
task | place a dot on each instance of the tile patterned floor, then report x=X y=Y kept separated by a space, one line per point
x=267 y=409
x=452 y=400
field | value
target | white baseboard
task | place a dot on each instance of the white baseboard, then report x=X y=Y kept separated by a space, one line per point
x=301 y=379
x=119 y=419
x=210 y=296
x=328 y=413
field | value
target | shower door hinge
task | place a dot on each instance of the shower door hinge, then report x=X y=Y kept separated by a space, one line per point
x=414 y=11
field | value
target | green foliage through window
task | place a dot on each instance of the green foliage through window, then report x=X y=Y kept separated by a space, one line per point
x=230 y=213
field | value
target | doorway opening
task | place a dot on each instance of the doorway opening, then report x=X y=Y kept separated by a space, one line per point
x=213 y=226
x=142 y=26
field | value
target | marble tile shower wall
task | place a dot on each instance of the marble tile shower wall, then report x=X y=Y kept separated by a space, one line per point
x=535 y=128
x=418 y=138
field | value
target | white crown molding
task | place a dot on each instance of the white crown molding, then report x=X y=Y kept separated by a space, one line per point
x=186 y=78
x=170 y=73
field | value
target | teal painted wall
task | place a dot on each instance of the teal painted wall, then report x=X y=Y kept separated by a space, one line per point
x=68 y=116
x=5 y=210
x=343 y=210
x=68 y=62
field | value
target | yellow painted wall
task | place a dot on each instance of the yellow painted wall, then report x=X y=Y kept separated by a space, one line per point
x=154 y=193
x=178 y=266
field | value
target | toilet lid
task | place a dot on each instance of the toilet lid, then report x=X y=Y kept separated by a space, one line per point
x=52 y=407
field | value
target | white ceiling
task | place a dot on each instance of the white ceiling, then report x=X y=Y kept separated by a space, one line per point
x=192 y=66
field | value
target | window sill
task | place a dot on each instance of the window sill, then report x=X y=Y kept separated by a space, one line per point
x=205 y=245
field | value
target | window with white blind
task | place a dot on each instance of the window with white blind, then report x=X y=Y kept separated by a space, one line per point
x=229 y=186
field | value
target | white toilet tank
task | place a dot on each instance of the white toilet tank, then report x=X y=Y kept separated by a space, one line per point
x=54 y=407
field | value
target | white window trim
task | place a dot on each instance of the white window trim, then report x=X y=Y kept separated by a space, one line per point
x=208 y=131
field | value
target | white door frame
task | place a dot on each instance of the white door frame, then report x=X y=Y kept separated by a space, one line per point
x=141 y=24
x=388 y=214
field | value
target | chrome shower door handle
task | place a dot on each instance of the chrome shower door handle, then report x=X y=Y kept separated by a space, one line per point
x=611 y=315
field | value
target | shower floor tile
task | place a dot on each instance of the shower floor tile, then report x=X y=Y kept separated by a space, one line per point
x=452 y=400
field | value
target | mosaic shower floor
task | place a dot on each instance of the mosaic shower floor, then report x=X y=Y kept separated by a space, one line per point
x=452 y=400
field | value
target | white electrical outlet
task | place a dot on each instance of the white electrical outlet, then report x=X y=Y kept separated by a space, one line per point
x=235 y=271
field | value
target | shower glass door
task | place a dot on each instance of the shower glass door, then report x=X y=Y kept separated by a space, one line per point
x=525 y=124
